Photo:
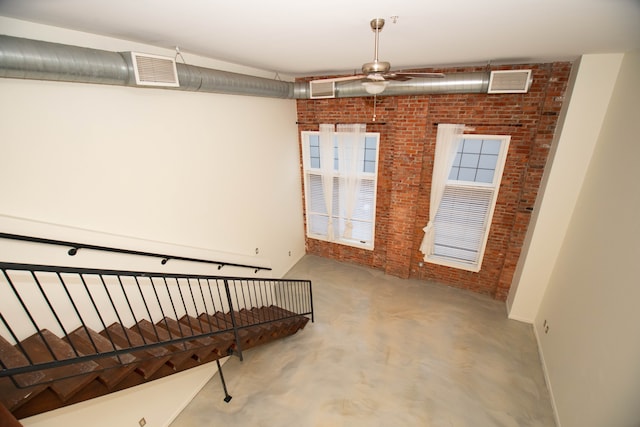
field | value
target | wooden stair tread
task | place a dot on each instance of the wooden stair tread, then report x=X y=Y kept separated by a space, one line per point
x=151 y=359
x=295 y=319
x=289 y=323
x=207 y=345
x=115 y=368
x=7 y=419
x=222 y=341
x=272 y=329
x=77 y=375
x=12 y=357
x=216 y=324
x=250 y=336
x=13 y=397
x=226 y=324
x=181 y=352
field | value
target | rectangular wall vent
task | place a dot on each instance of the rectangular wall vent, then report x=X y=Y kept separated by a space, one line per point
x=322 y=89
x=510 y=81
x=154 y=70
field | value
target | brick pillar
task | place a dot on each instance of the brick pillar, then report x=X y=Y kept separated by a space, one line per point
x=408 y=144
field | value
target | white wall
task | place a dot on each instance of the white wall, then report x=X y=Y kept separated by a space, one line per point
x=187 y=173
x=217 y=172
x=592 y=348
x=590 y=88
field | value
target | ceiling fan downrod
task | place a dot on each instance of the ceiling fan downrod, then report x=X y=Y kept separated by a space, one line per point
x=376 y=66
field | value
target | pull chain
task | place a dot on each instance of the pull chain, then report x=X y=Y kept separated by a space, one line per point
x=374 y=108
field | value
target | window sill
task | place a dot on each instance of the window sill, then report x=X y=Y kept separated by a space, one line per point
x=352 y=243
x=453 y=264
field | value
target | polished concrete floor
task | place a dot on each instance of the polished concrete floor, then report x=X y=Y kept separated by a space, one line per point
x=384 y=352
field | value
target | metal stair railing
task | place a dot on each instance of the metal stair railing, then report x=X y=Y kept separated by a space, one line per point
x=63 y=300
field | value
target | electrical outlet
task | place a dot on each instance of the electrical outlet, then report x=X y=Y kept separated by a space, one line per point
x=142 y=422
x=289 y=253
x=257 y=251
x=545 y=325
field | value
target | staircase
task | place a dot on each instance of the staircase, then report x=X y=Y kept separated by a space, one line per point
x=206 y=339
x=72 y=334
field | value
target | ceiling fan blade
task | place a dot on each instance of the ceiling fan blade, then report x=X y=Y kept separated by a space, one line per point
x=342 y=79
x=396 y=76
x=423 y=75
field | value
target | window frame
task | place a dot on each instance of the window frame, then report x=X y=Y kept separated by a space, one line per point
x=461 y=184
x=369 y=176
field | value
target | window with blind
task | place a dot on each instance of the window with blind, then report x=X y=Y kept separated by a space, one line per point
x=341 y=198
x=462 y=221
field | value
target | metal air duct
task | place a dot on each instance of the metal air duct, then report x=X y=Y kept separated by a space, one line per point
x=33 y=59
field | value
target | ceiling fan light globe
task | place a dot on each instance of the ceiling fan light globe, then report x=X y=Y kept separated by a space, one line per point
x=374 y=88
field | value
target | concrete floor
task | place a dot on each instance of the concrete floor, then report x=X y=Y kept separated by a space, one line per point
x=384 y=352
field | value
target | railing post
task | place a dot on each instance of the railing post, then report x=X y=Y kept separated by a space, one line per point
x=233 y=319
x=227 y=397
x=311 y=302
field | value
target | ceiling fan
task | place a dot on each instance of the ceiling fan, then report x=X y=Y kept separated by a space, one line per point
x=377 y=74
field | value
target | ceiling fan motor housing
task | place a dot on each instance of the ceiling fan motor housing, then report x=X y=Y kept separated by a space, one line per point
x=376 y=67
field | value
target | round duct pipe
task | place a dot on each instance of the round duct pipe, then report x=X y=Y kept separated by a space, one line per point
x=33 y=59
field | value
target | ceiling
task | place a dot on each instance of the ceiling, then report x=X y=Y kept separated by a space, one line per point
x=301 y=38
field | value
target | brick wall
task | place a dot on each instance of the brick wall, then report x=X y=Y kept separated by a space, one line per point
x=407 y=142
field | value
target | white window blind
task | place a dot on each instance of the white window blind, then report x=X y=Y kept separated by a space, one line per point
x=461 y=222
x=353 y=176
x=463 y=217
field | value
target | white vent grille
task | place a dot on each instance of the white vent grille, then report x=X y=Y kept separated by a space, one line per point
x=322 y=89
x=153 y=70
x=510 y=81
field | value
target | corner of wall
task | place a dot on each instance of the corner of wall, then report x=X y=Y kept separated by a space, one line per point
x=590 y=87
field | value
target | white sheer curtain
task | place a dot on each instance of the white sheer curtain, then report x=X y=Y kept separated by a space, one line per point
x=326 y=167
x=447 y=140
x=351 y=138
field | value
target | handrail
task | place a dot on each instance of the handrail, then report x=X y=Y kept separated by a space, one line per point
x=75 y=247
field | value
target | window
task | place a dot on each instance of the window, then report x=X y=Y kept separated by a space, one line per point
x=340 y=180
x=463 y=216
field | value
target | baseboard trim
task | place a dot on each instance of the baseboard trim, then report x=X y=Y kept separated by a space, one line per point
x=547 y=380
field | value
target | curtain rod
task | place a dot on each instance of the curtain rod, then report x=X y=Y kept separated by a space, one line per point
x=516 y=125
x=340 y=123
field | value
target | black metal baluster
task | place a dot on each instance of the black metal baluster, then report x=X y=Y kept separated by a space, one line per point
x=97 y=311
x=222 y=303
x=18 y=343
x=166 y=285
x=26 y=310
x=233 y=318
x=133 y=315
x=311 y=302
x=162 y=313
x=116 y=312
x=213 y=304
x=272 y=299
x=146 y=306
x=204 y=303
x=53 y=311
x=184 y=304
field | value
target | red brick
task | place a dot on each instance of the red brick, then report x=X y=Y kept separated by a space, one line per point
x=407 y=143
